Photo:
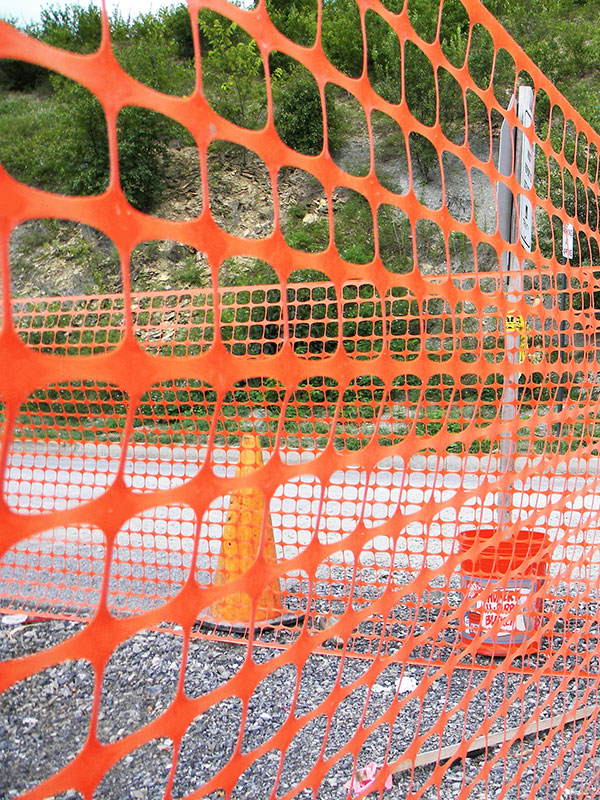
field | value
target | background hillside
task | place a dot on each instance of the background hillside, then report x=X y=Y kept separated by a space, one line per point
x=53 y=132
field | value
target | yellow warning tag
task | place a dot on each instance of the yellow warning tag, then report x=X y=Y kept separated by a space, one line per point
x=516 y=324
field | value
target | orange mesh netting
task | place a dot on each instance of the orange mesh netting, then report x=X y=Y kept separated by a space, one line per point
x=318 y=524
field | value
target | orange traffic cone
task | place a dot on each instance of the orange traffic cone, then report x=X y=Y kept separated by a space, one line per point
x=241 y=541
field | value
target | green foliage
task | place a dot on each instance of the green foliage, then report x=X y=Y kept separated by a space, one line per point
x=21 y=76
x=232 y=70
x=342 y=36
x=353 y=224
x=77 y=411
x=151 y=57
x=454 y=32
x=395 y=240
x=423 y=16
x=59 y=143
x=424 y=155
x=395 y=6
x=71 y=28
x=177 y=27
x=481 y=56
x=451 y=111
x=64 y=120
x=93 y=264
x=66 y=127
x=242 y=271
x=296 y=19
x=142 y=155
x=191 y=273
x=346 y=122
x=550 y=36
x=418 y=73
x=87 y=138
x=563 y=39
x=298 y=111
x=67 y=135
x=383 y=58
x=419 y=84
x=309 y=235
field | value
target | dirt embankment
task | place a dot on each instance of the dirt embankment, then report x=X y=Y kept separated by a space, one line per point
x=59 y=257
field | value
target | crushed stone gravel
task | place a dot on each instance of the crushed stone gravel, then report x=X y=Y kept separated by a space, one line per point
x=45 y=719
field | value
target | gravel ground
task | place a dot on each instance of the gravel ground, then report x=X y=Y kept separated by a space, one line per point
x=44 y=721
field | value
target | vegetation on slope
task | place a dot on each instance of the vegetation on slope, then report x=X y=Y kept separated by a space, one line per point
x=42 y=113
x=52 y=114
x=53 y=131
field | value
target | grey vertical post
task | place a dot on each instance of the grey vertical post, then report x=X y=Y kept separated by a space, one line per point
x=562 y=284
x=514 y=219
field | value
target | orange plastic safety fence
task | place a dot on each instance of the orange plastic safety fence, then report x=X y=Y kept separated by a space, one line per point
x=288 y=538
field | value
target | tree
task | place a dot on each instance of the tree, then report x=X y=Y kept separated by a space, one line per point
x=86 y=140
x=232 y=71
x=21 y=76
x=70 y=28
x=176 y=22
x=151 y=57
x=143 y=155
x=384 y=60
x=342 y=36
x=298 y=110
x=558 y=37
x=296 y=19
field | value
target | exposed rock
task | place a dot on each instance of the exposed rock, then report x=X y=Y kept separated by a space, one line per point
x=61 y=258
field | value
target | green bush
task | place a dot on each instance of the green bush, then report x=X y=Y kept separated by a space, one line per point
x=383 y=58
x=150 y=56
x=353 y=227
x=65 y=128
x=21 y=76
x=71 y=28
x=341 y=35
x=58 y=143
x=296 y=19
x=142 y=155
x=298 y=109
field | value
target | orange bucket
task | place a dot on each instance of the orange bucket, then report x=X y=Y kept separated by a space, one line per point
x=503 y=613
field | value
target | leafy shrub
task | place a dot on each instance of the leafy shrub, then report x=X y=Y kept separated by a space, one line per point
x=341 y=35
x=71 y=28
x=57 y=143
x=298 y=110
x=21 y=76
x=296 y=19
